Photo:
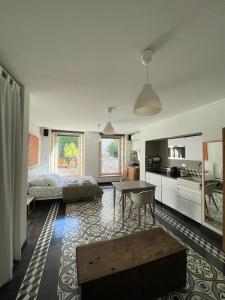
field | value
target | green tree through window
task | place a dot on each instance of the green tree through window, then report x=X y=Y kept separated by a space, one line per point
x=113 y=149
x=66 y=140
x=70 y=152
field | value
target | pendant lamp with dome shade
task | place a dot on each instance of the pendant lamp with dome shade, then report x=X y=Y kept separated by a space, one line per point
x=148 y=102
x=109 y=130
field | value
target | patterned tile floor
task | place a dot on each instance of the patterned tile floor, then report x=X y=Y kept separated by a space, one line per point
x=94 y=221
x=216 y=215
x=52 y=238
x=32 y=279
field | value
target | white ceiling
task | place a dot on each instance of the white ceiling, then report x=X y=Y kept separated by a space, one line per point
x=79 y=57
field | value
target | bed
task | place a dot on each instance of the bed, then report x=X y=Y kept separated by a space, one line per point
x=54 y=186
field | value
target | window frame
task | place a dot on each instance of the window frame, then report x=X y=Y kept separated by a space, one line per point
x=121 y=155
x=54 y=138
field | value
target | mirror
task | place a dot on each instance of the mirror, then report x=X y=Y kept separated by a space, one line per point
x=213 y=183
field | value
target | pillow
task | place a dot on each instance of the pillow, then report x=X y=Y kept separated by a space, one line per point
x=72 y=184
x=56 y=175
x=50 y=180
x=38 y=181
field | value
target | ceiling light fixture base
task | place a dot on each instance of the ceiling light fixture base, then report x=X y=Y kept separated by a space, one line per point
x=110 y=109
x=146 y=56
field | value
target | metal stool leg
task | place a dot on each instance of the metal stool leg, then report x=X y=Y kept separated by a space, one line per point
x=130 y=209
x=139 y=215
x=214 y=202
x=153 y=215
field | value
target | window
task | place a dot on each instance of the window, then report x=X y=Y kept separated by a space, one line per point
x=67 y=153
x=111 y=155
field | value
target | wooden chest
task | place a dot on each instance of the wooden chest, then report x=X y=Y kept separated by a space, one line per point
x=132 y=172
x=138 y=266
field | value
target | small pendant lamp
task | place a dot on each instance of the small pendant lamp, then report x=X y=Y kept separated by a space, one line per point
x=148 y=102
x=109 y=130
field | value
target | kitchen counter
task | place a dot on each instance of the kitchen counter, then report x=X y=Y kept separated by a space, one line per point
x=189 y=178
x=182 y=193
x=162 y=174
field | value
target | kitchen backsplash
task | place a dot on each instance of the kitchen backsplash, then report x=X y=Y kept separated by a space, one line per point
x=184 y=172
x=190 y=164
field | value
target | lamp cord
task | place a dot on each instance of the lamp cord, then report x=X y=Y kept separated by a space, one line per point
x=147 y=73
x=109 y=115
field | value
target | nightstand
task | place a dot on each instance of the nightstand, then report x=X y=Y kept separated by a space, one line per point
x=30 y=199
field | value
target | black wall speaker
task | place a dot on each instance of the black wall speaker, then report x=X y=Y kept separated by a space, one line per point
x=45 y=132
x=129 y=137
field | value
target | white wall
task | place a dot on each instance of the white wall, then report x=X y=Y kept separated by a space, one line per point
x=216 y=157
x=136 y=145
x=128 y=149
x=209 y=120
x=91 y=155
x=45 y=153
x=135 y=141
x=91 y=150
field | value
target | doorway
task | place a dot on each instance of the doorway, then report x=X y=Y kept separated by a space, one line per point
x=223 y=188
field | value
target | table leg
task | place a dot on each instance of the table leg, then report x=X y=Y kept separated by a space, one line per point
x=206 y=208
x=154 y=203
x=123 y=204
x=114 y=197
x=114 y=203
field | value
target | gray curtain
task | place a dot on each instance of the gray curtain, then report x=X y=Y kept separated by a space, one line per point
x=11 y=160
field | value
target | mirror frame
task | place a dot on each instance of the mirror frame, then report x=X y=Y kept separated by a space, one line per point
x=203 y=182
x=223 y=141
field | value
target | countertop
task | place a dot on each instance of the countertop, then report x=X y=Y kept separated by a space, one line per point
x=162 y=174
x=189 y=178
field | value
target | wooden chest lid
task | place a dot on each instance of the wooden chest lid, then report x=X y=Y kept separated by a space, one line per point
x=104 y=258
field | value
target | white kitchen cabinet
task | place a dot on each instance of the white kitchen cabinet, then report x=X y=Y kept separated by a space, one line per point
x=169 y=191
x=178 y=142
x=189 y=201
x=193 y=148
x=188 y=208
x=147 y=176
x=155 y=179
x=180 y=194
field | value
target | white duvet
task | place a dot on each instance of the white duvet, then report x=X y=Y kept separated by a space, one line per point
x=46 y=191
